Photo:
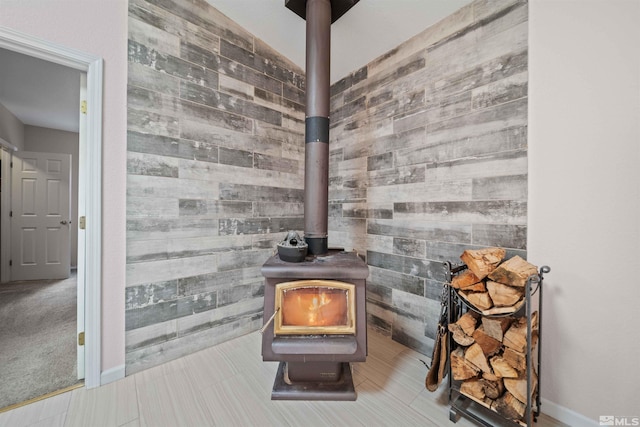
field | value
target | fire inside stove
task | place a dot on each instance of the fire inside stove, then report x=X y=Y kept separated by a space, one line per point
x=310 y=307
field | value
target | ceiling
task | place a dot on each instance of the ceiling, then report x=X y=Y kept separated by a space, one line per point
x=44 y=94
x=38 y=92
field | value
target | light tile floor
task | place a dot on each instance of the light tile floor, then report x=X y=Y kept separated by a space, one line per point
x=229 y=385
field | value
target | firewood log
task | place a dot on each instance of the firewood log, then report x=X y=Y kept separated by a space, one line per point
x=482 y=261
x=468 y=322
x=462 y=330
x=502 y=368
x=490 y=376
x=459 y=336
x=495 y=327
x=503 y=295
x=473 y=388
x=464 y=280
x=516 y=335
x=460 y=368
x=478 y=287
x=502 y=310
x=515 y=359
x=489 y=345
x=493 y=389
x=480 y=300
x=477 y=358
x=518 y=386
x=513 y=272
x=509 y=407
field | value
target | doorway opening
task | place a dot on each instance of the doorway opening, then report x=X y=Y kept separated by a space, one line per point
x=88 y=218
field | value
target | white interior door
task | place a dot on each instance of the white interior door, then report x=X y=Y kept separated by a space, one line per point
x=40 y=216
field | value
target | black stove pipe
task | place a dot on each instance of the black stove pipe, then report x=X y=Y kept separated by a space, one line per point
x=316 y=177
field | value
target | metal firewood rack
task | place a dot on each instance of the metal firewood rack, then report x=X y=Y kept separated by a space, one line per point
x=463 y=405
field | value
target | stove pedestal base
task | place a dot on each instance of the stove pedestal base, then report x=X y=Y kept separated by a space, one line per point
x=343 y=389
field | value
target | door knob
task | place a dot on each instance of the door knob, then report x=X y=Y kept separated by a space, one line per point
x=63 y=222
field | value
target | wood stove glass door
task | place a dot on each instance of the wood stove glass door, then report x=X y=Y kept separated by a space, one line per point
x=315 y=307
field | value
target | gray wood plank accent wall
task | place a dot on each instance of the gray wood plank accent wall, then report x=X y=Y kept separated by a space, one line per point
x=215 y=176
x=428 y=157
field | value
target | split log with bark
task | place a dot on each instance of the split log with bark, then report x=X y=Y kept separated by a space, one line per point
x=516 y=336
x=495 y=327
x=513 y=272
x=503 y=295
x=493 y=389
x=518 y=386
x=480 y=300
x=464 y=280
x=483 y=261
x=461 y=369
x=509 y=407
x=463 y=329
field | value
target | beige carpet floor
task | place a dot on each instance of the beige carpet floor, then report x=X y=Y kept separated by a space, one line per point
x=37 y=338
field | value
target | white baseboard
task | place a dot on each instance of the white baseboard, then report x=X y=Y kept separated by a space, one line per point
x=110 y=375
x=566 y=415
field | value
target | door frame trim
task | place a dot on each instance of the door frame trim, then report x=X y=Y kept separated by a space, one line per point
x=93 y=66
x=5 y=200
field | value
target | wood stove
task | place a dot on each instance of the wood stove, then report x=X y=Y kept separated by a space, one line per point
x=314 y=310
x=314 y=339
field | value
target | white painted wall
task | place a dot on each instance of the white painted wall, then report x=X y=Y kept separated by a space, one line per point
x=11 y=128
x=47 y=140
x=584 y=202
x=97 y=27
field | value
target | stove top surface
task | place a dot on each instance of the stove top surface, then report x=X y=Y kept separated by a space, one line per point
x=336 y=264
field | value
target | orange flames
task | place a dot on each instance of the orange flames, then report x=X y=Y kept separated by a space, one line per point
x=315 y=307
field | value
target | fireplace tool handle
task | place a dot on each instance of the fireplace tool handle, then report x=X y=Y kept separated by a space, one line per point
x=266 y=325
